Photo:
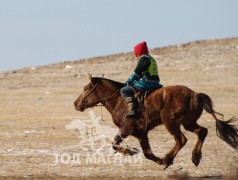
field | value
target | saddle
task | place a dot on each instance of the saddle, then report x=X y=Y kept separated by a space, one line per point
x=141 y=96
x=139 y=99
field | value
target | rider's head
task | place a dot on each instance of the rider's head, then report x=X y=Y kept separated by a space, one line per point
x=141 y=49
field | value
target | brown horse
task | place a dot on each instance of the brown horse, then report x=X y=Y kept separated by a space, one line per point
x=172 y=106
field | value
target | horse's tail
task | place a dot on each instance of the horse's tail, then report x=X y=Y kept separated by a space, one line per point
x=224 y=129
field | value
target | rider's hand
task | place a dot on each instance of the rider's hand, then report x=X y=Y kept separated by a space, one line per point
x=128 y=83
x=132 y=78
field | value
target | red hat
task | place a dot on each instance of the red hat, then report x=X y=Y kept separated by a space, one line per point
x=141 y=49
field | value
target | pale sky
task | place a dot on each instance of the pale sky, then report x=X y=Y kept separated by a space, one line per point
x=41 y=32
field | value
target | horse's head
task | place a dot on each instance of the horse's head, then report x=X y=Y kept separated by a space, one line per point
x=98 y=90
x=89 y=96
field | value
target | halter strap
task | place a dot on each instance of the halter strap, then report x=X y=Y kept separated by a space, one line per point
x=98 y=101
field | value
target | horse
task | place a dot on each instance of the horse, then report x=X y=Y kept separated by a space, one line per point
x=171 y=106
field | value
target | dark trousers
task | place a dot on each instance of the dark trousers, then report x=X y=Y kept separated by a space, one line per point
x=128 y=91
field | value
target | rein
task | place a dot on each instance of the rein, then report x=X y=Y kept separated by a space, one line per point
x=106 y=99
x=100 y=100
x=90 y=92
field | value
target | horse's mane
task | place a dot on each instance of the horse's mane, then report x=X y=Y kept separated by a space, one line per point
x=114 y=83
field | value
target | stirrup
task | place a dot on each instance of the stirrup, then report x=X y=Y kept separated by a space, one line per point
x=130 y=114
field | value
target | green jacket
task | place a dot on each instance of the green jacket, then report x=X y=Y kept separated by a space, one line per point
x=145 y=75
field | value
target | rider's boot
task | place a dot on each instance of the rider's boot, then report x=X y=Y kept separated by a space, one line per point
x=131 y=107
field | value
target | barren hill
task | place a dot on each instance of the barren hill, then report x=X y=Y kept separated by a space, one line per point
x=36 y=103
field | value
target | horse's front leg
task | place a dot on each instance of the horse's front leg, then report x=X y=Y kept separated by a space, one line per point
x=144 y=142
x=124 y=150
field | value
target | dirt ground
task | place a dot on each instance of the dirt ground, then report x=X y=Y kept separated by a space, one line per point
x=36 y=109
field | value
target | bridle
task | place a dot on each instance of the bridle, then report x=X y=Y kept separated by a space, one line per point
x=82 y=100
x=90 y=92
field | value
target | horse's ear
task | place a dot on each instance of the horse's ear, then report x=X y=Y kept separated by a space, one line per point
x=95 y=80
x=90 y=77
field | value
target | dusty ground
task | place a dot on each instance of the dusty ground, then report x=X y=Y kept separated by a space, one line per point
x=36 y=104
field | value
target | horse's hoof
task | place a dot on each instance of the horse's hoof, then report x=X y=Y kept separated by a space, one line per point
x=136 y=151
x=196 y=158
x=166 y=166
x=167 y=161
x=131 y=151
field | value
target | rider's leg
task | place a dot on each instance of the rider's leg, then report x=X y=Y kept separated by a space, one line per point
x=127 y=93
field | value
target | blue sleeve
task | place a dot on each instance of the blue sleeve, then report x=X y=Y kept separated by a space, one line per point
x=132 y=78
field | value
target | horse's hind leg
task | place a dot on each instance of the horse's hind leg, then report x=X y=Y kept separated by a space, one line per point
x=144 y=142
x=180 y=141
x=201 y=132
